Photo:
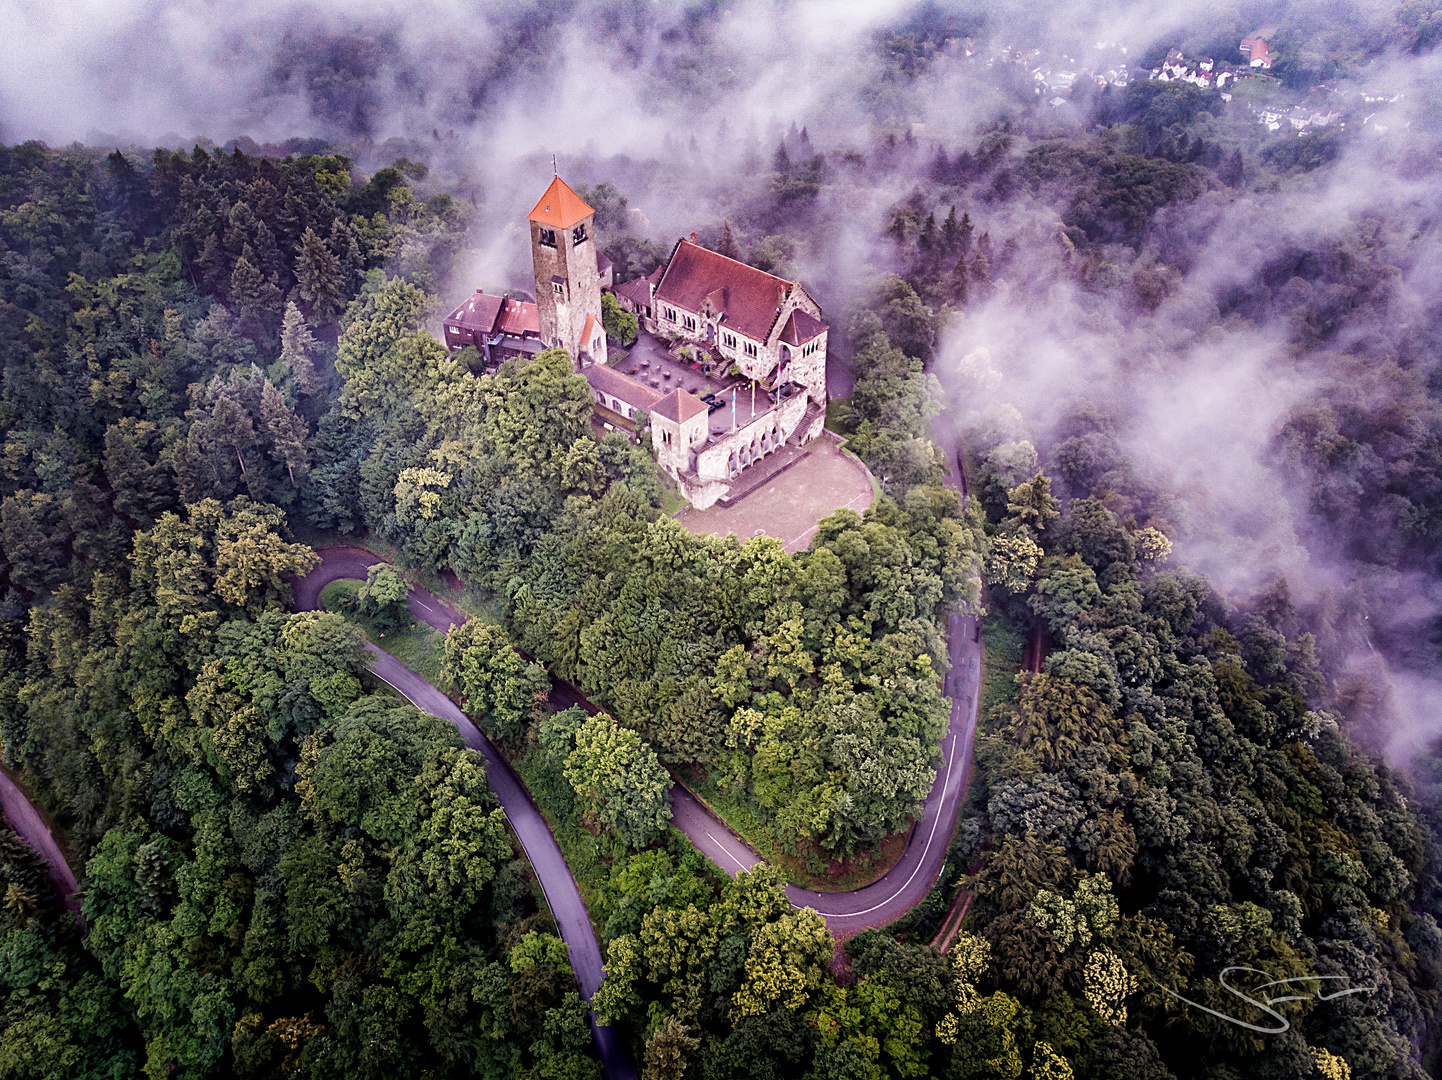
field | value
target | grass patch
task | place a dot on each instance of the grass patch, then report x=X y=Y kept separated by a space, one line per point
x=1003 y=645
x=813 y=869
x=671 y=499
x=417 y=646
x=838 y=410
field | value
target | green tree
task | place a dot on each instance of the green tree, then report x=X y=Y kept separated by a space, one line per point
x=619 y=780
x=299 y=349
x=502 y=691
x=385 y=598
x=619 y=323
x=318 y=275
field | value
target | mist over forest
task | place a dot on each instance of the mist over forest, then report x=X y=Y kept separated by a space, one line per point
x=1193 y=347
x=1190 y=337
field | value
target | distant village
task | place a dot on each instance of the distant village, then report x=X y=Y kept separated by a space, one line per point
x=1329 y=104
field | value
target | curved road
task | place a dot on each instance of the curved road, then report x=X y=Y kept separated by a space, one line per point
x=846 y=913
x=30 y=827
x=531 y=829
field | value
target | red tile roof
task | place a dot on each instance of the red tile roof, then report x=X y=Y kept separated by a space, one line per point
x=638 y=292
x=478 y=313
x=560 y=207
x=519 y=317
x=801 y=328
x=622 y=387
x=748 y=298
x=679 y=406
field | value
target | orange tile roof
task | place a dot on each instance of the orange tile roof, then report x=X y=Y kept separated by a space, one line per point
x=560 y=207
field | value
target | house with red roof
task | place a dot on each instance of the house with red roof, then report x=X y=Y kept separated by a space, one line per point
x=498 y=326
x=768 y=328
x=1257 y=52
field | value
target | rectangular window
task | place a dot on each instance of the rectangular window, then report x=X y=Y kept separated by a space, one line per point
x=548 y=237
x=559 y=288
x=578 y=235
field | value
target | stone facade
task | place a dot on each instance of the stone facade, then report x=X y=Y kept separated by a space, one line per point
x=754 y=344
x=568 y=281
x=680 y=425
x=725 y=458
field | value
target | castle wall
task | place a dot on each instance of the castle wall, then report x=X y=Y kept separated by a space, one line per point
x=751 y=442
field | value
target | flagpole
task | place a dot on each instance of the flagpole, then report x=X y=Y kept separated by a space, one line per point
x=733 y=408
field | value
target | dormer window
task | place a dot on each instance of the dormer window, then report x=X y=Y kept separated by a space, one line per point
x=558 y=288
x=548 y=237
x=578 y=234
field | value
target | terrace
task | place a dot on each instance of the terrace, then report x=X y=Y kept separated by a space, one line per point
x=649 y=363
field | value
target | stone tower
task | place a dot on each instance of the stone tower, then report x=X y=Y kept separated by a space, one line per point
x=568 y=286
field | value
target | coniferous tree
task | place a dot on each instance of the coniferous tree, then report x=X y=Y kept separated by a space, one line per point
x=319 y=275
x=298 y=348
x=781 y=160
x=286 y=430
x=727 y=246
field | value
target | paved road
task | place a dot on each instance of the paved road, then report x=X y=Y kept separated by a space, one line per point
x=846 y=913
x=26 y=821
x=908 y=882
x=540 y=846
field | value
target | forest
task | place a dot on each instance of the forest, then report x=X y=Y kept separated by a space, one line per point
x=217 y=360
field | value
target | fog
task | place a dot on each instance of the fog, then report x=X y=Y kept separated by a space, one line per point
x=682 y=107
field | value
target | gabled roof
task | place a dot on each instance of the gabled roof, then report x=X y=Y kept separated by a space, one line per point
x=588 y=331
x=622 y=387
x=679 y=406
x=638 y=291
x=750 y=299
x=560 y=207
x=519 y=317
x=478 y=313
x=801 y=328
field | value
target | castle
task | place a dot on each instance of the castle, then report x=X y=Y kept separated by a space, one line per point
x=744 y=378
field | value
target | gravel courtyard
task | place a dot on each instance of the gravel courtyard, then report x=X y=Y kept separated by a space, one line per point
x=790 y=505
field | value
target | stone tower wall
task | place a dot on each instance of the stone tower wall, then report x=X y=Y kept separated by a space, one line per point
x=563 y=314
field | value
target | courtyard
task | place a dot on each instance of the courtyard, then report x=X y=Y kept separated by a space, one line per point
x=789 y=506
